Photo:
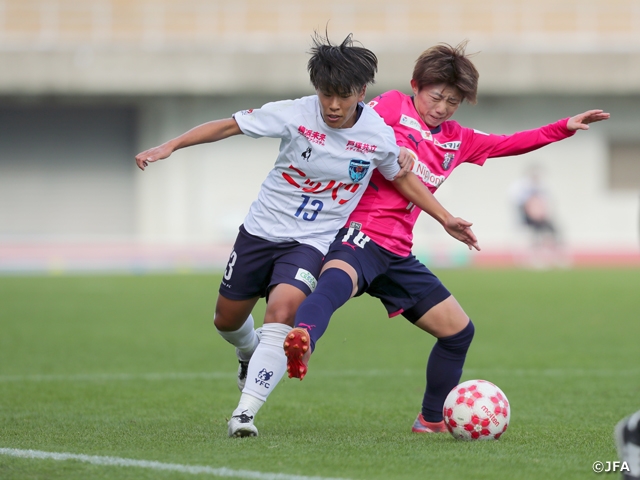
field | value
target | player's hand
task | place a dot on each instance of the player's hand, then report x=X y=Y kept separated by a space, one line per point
x=582 y=120
x=461 y=230
x=153 y=155
x=405 y=160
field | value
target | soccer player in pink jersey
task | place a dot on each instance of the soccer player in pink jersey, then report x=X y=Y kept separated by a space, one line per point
x=372 y=253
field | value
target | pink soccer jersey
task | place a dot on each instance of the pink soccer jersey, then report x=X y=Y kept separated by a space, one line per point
x=383 y=213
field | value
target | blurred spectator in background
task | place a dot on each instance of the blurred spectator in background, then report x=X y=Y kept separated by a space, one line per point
x=533 y=207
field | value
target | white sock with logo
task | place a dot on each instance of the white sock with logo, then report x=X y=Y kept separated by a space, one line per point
x=266 y=367
x=244 y=339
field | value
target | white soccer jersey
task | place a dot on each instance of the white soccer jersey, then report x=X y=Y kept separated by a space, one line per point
x=320 y=173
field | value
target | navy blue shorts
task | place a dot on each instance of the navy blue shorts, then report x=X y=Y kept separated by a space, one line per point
x=403 y=284
x=255 y=265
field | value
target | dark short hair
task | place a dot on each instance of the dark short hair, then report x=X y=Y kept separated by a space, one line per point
x=343 y=69
x=443 y=63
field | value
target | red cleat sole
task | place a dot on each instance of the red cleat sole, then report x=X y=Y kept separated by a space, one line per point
x=297 y=349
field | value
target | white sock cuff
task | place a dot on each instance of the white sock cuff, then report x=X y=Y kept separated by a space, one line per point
x=244 y=338
x=274 y=333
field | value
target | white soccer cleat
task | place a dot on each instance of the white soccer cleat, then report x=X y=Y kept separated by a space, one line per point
x=242 y=426
x=627 y=436
x=244 y=363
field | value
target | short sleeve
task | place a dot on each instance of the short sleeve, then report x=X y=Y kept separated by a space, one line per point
x=270 y=120
x=388 y=106
x=389 y=166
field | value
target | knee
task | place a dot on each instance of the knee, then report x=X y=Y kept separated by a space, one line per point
x=459 y=341
x=223 y=323
x=284 y=313
x=468 y=332
x=228 y=321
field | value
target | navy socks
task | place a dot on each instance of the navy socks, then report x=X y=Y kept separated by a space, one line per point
x=444 y=370
x=333 y=290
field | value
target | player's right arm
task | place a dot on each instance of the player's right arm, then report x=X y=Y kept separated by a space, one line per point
x=415 y=191
x=205 y=133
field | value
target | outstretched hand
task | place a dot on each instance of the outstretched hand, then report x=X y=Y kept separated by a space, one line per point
x=582 y=120
x=461 y=230
x=153 y=155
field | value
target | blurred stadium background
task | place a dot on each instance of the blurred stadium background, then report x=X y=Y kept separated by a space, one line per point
x=86 y=84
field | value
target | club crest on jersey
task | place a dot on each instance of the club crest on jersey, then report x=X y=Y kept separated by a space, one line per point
x=448 y=158
x=358 y=169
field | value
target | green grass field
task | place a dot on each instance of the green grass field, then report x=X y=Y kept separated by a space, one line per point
x=131 y=367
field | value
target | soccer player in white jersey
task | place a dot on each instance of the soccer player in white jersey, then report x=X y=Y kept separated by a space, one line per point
x=330 y=145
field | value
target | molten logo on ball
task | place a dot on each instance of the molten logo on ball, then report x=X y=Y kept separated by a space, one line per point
x=476 y=410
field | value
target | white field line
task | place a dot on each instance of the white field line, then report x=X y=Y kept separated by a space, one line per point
x=96 y=377
x=174 y=467
x=475 y=372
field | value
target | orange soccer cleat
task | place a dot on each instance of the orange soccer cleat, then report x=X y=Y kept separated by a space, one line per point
x=422 y=426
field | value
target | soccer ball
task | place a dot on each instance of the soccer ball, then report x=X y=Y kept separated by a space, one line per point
x=476 y=410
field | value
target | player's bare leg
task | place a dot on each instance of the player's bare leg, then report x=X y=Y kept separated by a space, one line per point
x=235 y=324
x=231 y=315
x=268 y=363
x=445 y=319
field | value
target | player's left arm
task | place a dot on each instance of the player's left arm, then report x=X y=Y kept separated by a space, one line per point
x=415 y=191
x=478 y=146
